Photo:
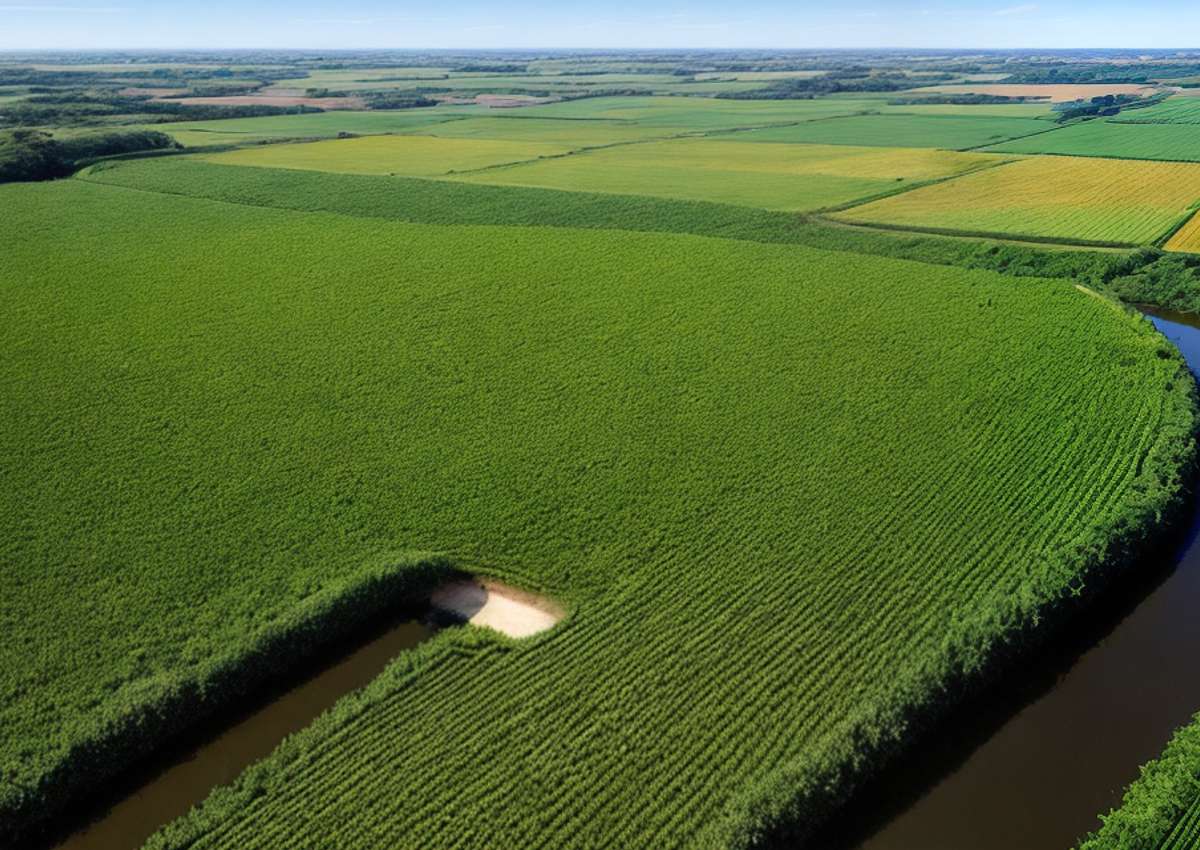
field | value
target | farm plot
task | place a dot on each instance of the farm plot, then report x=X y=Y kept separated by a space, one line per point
x=417 y=156
x=1064 y=198
x=1041 y=111
x=1171 y=142
x=692 y=443
x=954 y=132
x=559 y=131
x=1051 y=92
x=1187 y=238
x=780 y=176
x=231 y=131
x=1174 y=110
x=699 y=113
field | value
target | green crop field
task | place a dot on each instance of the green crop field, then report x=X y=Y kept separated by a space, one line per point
x=1068 y=198
x=782 y=177
x=231 y=416
x=420 y=156
x=233 y=131
x=1175 y=110
x=954 y=132
x=809 y=410
x=994 y=110
x=560 y=131
x=1175 y=142
x=698 y=113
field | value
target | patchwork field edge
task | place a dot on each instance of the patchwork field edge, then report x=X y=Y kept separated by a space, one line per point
x=638 y=213
x=910 y=187
x=452 y=202
x=981 y=234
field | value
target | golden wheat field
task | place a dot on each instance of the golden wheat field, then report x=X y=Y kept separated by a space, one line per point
x=774 y=176
x=1187 y=238
x=1059 y=197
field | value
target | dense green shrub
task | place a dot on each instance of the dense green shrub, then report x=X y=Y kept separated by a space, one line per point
x=37 y=155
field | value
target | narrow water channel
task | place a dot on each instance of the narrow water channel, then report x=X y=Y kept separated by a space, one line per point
x=181 y=782
x=1032 y=770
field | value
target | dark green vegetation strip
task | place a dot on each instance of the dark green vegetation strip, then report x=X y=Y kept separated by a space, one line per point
x=1145 y=277
x=1112 y=140
x=1161 y=809
x=215 y=412
x=955 y=132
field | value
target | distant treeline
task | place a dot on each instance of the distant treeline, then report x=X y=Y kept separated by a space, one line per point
x=1100 y=73
x=956 y=99
x=380 y=99
x=83 y=108
x=36 y=155
x=1103 y=106
x=810 y=87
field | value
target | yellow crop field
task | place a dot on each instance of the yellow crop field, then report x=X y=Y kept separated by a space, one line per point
x=776 y=176
x=1060 y=197
x=413 y=156
x=1188 y=237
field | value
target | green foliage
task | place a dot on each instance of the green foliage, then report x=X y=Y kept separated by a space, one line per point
x=83 y=109
x=392 y=100
x=1175 y=110
x=832 y=83
x=1161 y=810
x=692 y=442
x=956 y=132
x=35 y=155
x=1108 y=138
x=29 y=155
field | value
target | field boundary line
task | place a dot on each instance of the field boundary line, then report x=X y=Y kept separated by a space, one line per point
x=983 y=148
x=1096 y=155
x=911 y=187
x=1192 y=212
x=1065 y=242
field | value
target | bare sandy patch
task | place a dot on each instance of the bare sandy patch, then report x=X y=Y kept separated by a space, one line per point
x=487 y=603
x=1052 y=93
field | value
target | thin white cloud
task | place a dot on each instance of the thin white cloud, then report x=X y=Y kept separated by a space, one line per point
x=103 y=10
x=366 y=20
x=1023 y=9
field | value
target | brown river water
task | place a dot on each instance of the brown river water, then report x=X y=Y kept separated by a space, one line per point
x=1026 y=766
x=182 y=780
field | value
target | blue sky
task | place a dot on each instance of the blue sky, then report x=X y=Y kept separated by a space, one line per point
x=541 y=23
